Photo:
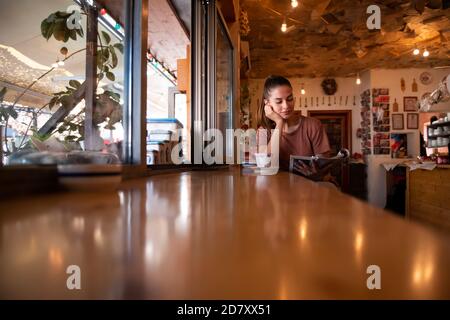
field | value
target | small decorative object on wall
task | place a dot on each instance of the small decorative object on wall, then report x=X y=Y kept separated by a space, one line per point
x=381 y=120
x=395 y=106
x=402 y=84
x=426 y=78
x=412 y=121
x=364 y=133
x=399 y=145
x=329 y=86
x=397 y=121
x=414 y=86
x=410 y=104
x=317 y=102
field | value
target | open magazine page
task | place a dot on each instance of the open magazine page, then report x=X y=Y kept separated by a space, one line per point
x=316 y=168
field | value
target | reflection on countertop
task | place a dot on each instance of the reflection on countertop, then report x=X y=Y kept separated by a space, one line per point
x=216 y=235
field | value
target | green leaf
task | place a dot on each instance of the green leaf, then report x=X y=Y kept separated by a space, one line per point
x=44 y=28
x=73 y=34
x=106 y=37
x=119 y=47
x=74 y=84
x=111 y=76
x=52 y=102
x=66 y=101
x=114 y=56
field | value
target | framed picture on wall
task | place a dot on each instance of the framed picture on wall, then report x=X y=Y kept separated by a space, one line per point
x=397 y=121
x=410 y=104
x=412 y=121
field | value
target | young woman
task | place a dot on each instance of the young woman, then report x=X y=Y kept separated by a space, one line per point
x=298 y=135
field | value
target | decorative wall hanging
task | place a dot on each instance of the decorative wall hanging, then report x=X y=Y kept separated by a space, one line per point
x=329 y=86
x=381 y=121
x=317 y=102
x=395 y=106
x=402 y=84
x=410 y=104
x=412 y=121
x=397 y=121
x=426 y=78
x=364 y=133
x=414 y=86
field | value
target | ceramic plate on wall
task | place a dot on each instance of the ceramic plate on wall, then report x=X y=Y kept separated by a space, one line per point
x=426 y=78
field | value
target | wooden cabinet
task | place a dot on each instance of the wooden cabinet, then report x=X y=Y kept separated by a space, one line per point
x=428 y=196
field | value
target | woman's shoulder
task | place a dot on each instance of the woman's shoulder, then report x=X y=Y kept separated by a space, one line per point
x=311 y=122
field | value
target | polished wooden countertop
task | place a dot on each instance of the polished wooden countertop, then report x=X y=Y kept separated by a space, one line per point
x=216 y=235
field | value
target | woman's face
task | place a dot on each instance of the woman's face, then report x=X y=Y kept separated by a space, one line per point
x=282 y=101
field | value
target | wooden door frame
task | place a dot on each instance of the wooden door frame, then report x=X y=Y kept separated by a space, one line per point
x=346 y=113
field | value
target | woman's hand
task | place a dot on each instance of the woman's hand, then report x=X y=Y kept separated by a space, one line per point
x=304 y=169
x=272 y=115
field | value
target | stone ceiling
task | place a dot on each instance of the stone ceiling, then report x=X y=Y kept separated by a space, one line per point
x=330 y=37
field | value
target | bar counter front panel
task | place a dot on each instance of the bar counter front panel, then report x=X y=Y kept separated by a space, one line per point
x=216 y=235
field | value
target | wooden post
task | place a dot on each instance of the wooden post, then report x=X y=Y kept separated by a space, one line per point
x=91 y=76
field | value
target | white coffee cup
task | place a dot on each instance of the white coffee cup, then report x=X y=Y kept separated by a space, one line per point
x=262 y=160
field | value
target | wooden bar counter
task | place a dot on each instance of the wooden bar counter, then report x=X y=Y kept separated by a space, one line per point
x=216 y=235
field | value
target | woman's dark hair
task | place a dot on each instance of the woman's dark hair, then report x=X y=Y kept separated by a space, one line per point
x=270 y=83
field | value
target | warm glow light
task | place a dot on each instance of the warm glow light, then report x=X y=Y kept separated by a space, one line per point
x=358 y=79
x=303 y=91
x=359 y=241
x=416 y=52
x=284 y=27
x=60 y=63
x=303 y=228
x=426 y=53
x=294 y=3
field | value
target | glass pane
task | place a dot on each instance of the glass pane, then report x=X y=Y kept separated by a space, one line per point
x=224 y=82
x=168 y=73
x=62 y=85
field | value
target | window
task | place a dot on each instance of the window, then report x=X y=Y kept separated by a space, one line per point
x=62 y=81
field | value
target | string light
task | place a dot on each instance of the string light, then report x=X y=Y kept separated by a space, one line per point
x=358 y=79
x=426 y=53
x=416 y=52
x=60 y=63
x=294 y=3
x=302 y=91
x=284 y=26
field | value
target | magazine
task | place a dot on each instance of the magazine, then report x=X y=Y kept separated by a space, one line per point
x=316 y=167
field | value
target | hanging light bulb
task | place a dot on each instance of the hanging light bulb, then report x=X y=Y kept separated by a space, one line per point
x=294 y=3
x=358 y=79
x=284 y=26
x=416 y=52
x=302 y=90
x=426 y=53
x=60 y=63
